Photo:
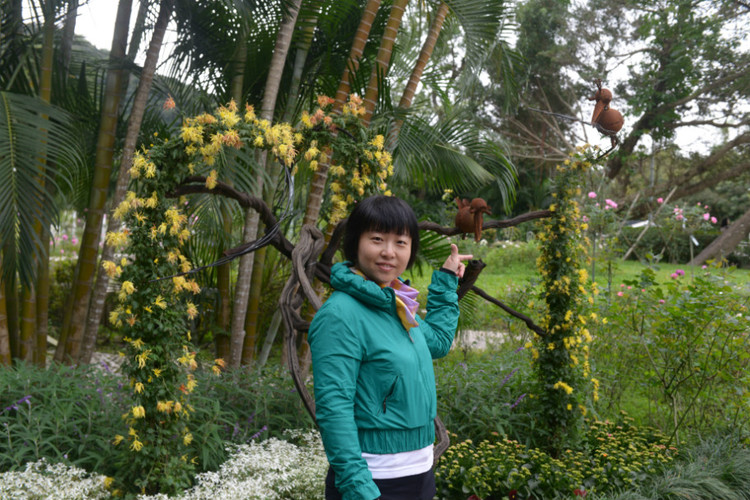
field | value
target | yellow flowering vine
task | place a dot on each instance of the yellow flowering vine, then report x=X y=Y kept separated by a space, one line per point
x=561 y=356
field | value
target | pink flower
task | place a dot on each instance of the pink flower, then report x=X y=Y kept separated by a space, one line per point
x=610 y=203
x=706 y=216
x=585 y=219
x=674 y=275
x=680 y=272
x=629 y=287
x=62 y=250
x=660 y=200
x=592 y=195
x=661 y=301
x=704 y=266
x=622 y=285
x=620 y=294
x=74 y=240
x=679 y=217
x=65 y=237
x=713 y=220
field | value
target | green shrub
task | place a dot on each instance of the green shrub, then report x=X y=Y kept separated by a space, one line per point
x=678 y=350
x=242 y=406
x=717 y=468
x=64 y=273
x=63 y=414
x=611 y=456
x=504 y=254
x=481 y=395
x=69 y=415
x=674 y=248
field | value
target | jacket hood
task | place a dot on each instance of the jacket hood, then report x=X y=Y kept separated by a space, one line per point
x=345 y=280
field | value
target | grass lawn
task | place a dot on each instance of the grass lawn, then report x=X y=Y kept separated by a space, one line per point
x=496 y=282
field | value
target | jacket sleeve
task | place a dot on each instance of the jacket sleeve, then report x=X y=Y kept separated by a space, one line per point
x=336 y=356
x=440 y=322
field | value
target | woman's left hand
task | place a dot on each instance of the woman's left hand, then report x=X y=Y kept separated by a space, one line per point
x=454 y=262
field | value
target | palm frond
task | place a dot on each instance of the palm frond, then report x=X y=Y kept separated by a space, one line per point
x=483 y=22
x=433 y=249
x=441 y=156
x=30 y=131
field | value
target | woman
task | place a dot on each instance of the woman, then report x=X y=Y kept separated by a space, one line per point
x=372 y=358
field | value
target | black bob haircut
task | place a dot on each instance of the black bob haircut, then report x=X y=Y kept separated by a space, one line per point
x=386 y=214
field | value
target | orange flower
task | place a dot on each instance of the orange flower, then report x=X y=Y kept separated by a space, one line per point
x=169 y=103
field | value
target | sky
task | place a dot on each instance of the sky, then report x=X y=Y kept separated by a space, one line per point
x=96 y=22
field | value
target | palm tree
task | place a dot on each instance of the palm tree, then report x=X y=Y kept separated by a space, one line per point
x=82 y=344
x=39 y=150
x=244 y=274
x=78 y=303
x=317 y=185
x=306 y=24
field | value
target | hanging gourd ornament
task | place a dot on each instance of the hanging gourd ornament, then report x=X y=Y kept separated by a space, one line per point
x=608 y=121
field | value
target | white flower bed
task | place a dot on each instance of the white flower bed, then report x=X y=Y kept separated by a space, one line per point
x=267 y=470
x=42 y=480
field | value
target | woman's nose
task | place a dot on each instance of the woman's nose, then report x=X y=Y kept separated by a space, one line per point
x=387 y=250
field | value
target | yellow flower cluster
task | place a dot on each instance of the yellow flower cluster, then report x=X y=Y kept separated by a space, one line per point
x=562 y=385
x=354 y=106
x=142 y=165
x=281 y=139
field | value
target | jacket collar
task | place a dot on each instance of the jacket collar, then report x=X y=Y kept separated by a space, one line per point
x=345 y=280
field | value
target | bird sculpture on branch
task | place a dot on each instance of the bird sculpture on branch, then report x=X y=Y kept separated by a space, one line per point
x=608 y=121
x=470 y=216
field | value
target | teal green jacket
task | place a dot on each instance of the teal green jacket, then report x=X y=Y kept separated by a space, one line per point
x=374 y=381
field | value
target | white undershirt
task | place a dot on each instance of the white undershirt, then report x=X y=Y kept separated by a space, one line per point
x=406 y=463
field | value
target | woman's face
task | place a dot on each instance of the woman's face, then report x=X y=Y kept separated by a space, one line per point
x=383 y=256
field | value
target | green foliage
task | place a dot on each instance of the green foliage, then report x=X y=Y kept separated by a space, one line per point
x=612 y=456
x=717 y=468
x=681 y=345
x=60 y=287
x=481 y=394
x=32 y=131
x=62 y=414
x=659 y=242
x=506 y=254
x=69 y=415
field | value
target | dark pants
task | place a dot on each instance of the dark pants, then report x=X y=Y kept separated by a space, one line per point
x=417 y=487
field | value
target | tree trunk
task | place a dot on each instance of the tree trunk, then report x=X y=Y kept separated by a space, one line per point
x=416 y=74
x=274 y=170
x=28 y=324
x=224 y=287
x=74 y=320
x=32 y=309
x=244 y=274
x=383 y=59
x=42 y=303
x=224 y=272
x=727 y=242
x=66 y=42
x=83 y=355
x=318 y=183
x=10 y=290
x=5 y=358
